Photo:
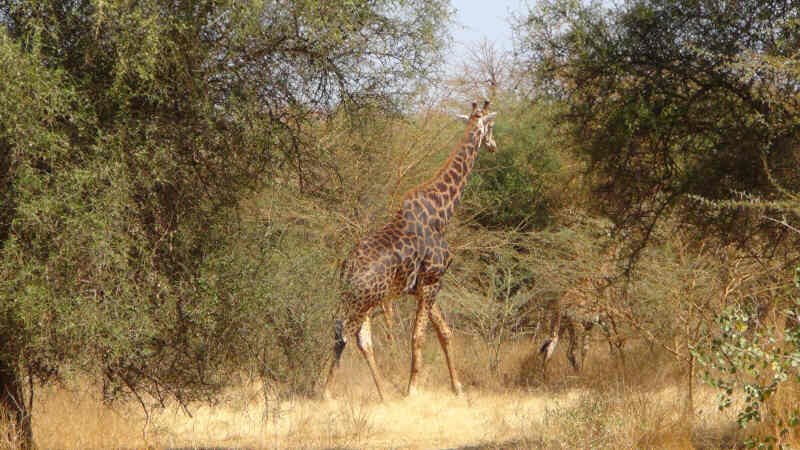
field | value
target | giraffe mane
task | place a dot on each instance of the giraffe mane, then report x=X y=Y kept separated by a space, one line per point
x=474 y=115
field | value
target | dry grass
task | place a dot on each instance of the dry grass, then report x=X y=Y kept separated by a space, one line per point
x=77 y=419
x=587 y=411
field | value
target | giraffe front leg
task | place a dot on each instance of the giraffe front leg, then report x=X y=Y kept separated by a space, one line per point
x=556 y=330
x=417 y=339
x=444 y=334
x=574 y=343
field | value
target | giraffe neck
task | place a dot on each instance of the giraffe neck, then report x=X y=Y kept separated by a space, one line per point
x=443 y=191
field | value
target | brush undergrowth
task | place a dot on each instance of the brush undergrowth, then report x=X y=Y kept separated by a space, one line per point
x=279 y=268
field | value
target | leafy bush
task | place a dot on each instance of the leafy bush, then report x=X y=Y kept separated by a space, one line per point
x=513 y=188
x=279 y=287
x=665 y=100
x=129 y=134
x=756 y=361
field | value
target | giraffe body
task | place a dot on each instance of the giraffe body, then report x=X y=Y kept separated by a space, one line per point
x=409 y=255
x=573 y=319
x=576 y=313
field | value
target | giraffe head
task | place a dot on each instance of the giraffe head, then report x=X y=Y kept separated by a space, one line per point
x=484 y=121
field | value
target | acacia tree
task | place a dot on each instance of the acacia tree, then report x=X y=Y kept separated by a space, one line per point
x=128 y=133
x=688 y=112
x=666 y=103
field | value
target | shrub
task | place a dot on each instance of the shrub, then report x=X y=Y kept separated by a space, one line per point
x=757 y=361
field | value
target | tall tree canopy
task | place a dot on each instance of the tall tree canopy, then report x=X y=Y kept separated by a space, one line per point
x=129 y=130
x=679 y=106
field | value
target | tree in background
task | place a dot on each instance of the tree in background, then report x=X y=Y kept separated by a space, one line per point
x=511 y=190
x=129 y=132
x=669 y=101
x=688 y=116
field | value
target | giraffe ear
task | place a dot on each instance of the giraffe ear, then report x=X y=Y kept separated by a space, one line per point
x=463 y=117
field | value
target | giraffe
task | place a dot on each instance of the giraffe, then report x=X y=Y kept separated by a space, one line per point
x=576 y=313
x=388 y=316
x=570 y=316
x=409 y=255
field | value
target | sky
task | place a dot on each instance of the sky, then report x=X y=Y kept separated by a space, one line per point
x=479 y=19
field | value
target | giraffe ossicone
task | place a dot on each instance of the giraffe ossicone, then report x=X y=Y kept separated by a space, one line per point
x=409 y=255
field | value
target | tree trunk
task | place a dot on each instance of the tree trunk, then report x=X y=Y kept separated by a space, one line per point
x=13 y=406
x=689 y=406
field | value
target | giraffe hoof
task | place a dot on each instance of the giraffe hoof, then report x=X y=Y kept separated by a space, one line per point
x=412 y=391
x=458 y=390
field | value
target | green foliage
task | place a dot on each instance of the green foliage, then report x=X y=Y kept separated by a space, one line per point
x=277 y=282
x=129 y=134
x=490 y=299
x=513 y=188
x=40 y=189
x=671 y=99
x=750 y=356
x=687 y=115
x=755 y=361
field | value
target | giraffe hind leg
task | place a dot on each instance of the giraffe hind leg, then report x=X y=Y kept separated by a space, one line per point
x=364 y=341
x=547 y=350
x=562 y=324
x=358 y=324
x=574 y=338
x=340 y=340
x=549 y=346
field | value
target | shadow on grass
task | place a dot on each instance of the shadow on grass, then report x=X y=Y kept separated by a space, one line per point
x=525 y=443
x=719 y=437
x=703 y=438
x=210 y=448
